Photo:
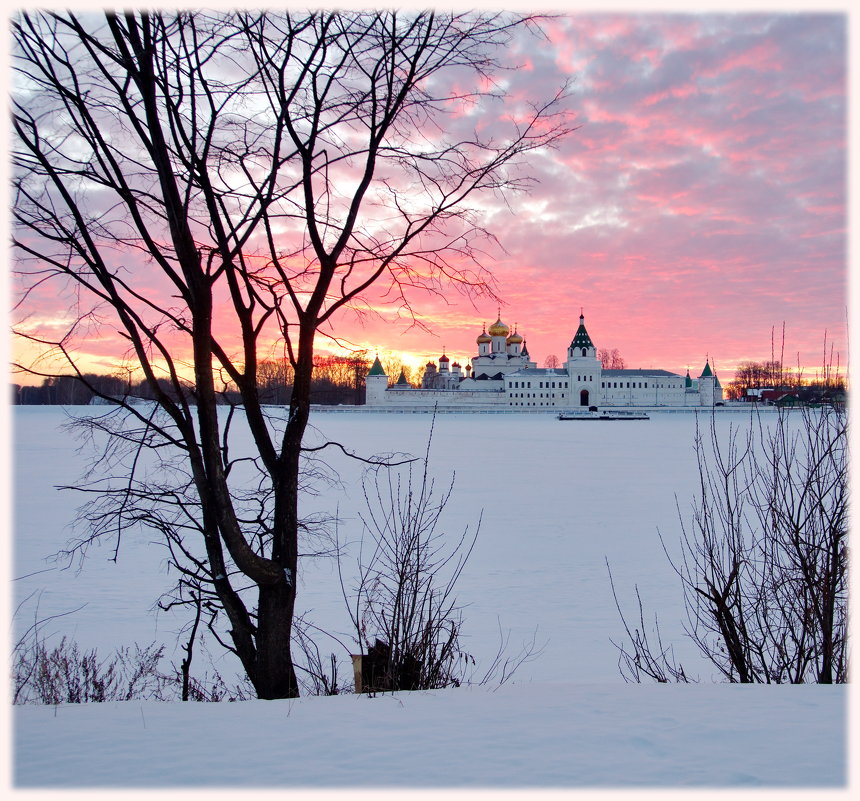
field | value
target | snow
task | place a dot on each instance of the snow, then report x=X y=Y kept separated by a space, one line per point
x=559 y=501
x=549 y=735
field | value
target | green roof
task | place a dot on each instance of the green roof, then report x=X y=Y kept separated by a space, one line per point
x=707 y=371
x=376 y=369
x=402 y=380
x=581 y=338
x=688 y=382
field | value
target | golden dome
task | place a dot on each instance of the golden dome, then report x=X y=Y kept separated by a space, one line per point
x=514 y=339
x=483 y=337
x=499 y=329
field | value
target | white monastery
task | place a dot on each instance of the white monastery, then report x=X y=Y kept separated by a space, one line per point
x=503 y=375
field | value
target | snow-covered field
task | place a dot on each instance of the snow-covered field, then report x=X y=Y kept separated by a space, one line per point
x=559 y=501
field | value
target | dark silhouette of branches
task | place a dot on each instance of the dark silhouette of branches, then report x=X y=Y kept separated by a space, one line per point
x=203 y=185
x=763 y=560
x=403 y=609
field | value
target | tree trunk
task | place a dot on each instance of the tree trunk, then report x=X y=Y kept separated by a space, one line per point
x=275 y=676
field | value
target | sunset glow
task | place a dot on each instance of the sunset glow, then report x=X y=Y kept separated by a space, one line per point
x=699 y=206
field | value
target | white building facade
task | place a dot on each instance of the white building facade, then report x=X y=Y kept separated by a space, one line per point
x=503 y=375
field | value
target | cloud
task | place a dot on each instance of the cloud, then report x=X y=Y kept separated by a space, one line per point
x=701 y=202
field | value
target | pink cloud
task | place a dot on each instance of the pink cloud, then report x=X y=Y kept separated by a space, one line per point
x=701 y=202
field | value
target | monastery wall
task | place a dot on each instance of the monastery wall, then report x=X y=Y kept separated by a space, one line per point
x=511 y=379
x=670 y=394
x=395 y=396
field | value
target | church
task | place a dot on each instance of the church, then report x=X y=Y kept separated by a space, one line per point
x=502 y=375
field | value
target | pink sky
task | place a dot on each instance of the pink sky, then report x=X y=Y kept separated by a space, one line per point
x=700 y=204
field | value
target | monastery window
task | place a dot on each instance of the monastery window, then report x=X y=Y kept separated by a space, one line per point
x=646 y=385
x=583 y=351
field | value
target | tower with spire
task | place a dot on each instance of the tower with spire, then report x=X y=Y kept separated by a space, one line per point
x=503 y=374
x=583 y=367
x=375 y=384
x=710 y=391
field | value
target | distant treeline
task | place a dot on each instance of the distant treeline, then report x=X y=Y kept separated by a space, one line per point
x=337 y=380
x=777 y=375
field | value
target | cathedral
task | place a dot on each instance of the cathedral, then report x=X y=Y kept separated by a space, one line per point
x=502 y=374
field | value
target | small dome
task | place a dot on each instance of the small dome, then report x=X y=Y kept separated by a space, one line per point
x=514 y=339
x=443 y=358
x=483 y=338
x=499 y=329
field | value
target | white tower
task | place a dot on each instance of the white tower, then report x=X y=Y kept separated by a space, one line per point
x=708 y=386
x=584 y=368
x=375 y=384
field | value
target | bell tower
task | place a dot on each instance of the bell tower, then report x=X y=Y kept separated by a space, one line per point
x=581 y=347
x=584 y=368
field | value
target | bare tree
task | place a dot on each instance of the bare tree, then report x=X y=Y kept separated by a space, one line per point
x=205 y=184
x=551 y=361
x=339 y=379
x=611 y=359
x=772 y=374
x=763 y=561
x=394 y=366
x=274 y=380
x=404 y=610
